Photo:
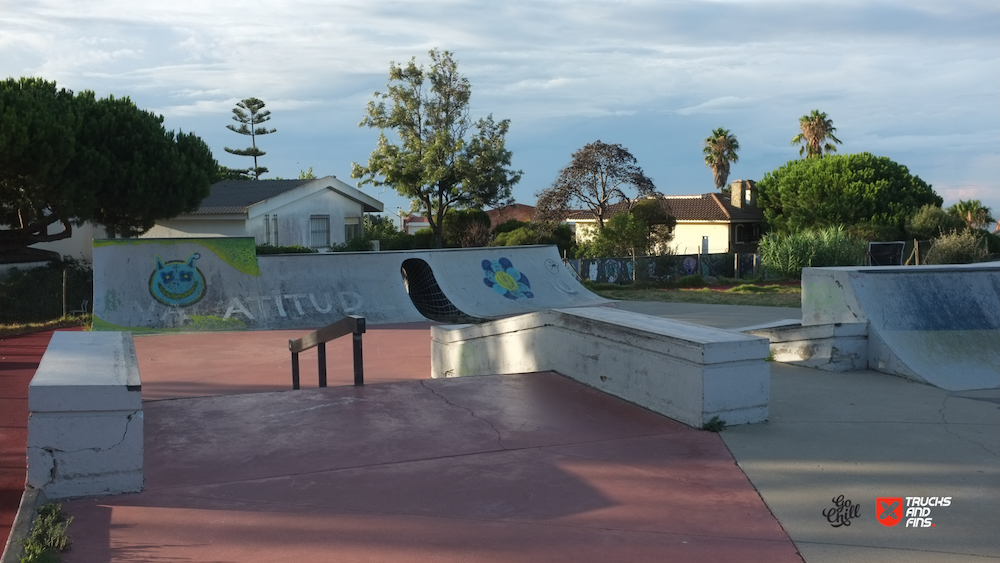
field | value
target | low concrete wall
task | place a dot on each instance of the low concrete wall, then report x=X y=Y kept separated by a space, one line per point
x=85 y=421
x=688 y=372
x=832 y=347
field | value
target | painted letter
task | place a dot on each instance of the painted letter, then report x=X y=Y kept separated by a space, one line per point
x=236 y=306
x=329 y=304
x=345 y=304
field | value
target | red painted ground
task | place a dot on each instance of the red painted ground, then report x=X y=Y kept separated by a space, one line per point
x=528 y=467
x=19 y=358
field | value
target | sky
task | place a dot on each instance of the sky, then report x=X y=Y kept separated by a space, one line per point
x=917 y=81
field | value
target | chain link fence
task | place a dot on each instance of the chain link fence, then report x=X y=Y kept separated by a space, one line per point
x=660 y=269
x=46 y=293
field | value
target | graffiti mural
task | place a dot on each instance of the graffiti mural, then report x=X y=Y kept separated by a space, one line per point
x=177 y=283
x=501 y=276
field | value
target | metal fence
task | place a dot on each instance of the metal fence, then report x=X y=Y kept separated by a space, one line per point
x=47 y=292
x=665 y=268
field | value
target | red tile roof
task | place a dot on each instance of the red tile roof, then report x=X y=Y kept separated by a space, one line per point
x=704 y=207
x=517 y=211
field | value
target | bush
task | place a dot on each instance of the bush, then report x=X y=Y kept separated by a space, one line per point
x=423 y=238
x=293 y=249
x=786 y=255
x=48 y=535
x=931 y=221
x=958 y=247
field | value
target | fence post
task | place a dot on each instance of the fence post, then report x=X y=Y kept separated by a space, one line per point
x=359 y=364
x=64 y=311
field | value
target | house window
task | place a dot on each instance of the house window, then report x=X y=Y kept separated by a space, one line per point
x=319 y=231
x=740 y=234
x=352 y=228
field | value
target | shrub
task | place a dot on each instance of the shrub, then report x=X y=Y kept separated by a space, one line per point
x=293 y=249
x=931 y=221
x=48 y=535
x=965 y=247
x=786 y=255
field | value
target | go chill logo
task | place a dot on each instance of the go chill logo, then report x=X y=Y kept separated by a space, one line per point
x=889 y=511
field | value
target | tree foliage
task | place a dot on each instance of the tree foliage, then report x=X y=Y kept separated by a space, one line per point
x=598 y=176
x=720 y=150
x=466 y=228
x=930 y=221
x=67 y=158
x=972 y=213
x=443 y=159
x=250 y=114
x=841 y=190
x=519 y=233
x=816 y=129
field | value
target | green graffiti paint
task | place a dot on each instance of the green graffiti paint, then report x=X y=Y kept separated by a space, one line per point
x=238 y=252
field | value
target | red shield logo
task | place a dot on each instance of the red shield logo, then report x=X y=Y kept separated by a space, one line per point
x=889 y=510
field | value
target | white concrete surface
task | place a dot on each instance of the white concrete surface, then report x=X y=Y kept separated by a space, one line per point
x=688 y=372
x=313 y=290
x=933 y=324
x=866 y=435
x=830 y=347
x=85 y=417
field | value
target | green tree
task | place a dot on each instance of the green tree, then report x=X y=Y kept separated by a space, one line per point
x=598 y=176
x=443 y=160
x=307 y=174
x=623 y=234
x=930 y=221
x=816 y=129
x=841 y=190
x=655 y=213
x=972 y=213
x=250 y=114
x=66 y=158
x=465 y=228
x=720 y=149
x=520 y=233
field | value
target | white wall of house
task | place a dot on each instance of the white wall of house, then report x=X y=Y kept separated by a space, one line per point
x=292 y=215
x=688 y=236
x=80 y=245
x=203 y=226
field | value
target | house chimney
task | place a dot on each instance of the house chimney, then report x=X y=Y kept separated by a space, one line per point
x=751 y=190
x=736 y=194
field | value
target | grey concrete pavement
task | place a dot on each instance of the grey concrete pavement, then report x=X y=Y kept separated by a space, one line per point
x=865 y=435
x=718 y=316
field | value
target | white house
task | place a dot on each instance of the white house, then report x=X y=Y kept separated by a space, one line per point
x=712 y=223
x=314 y=213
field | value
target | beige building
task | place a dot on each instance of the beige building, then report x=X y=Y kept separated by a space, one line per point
x=712 y=223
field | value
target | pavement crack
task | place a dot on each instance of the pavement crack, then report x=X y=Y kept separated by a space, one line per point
x=947 y=428
x=467 y=409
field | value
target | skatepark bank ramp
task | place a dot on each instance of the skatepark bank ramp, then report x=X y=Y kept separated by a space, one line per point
x=934 y=324
x=221 y=284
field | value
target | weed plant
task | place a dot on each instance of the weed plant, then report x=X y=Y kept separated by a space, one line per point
x=786 y=255
x=47 y=538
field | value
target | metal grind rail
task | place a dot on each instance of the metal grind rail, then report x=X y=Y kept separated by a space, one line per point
x=349 y=325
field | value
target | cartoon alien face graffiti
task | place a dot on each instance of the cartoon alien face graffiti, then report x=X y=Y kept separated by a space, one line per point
x=178 y=282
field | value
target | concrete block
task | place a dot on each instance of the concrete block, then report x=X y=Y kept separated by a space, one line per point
x=687 y=372
x=835 y=347
x=85 y=427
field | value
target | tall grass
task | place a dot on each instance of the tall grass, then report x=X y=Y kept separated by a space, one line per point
x=786 y=255
x=965 y=247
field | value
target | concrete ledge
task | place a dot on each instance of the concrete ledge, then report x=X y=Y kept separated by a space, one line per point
x=85 y=423
x=835 y=347
x=688 y=372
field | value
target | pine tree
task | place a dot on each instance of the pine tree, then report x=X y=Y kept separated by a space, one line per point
x=249 y=115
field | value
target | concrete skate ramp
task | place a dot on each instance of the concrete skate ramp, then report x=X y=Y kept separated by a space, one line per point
x=221 y=284
x=934 y=324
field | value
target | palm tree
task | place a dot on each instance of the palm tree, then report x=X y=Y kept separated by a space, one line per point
x=720 y=150
x=972 y=212
x=816 y=129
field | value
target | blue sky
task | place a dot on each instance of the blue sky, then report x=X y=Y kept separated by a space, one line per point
x=916 y=80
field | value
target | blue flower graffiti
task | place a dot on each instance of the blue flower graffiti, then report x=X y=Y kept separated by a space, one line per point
x=505 y=279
